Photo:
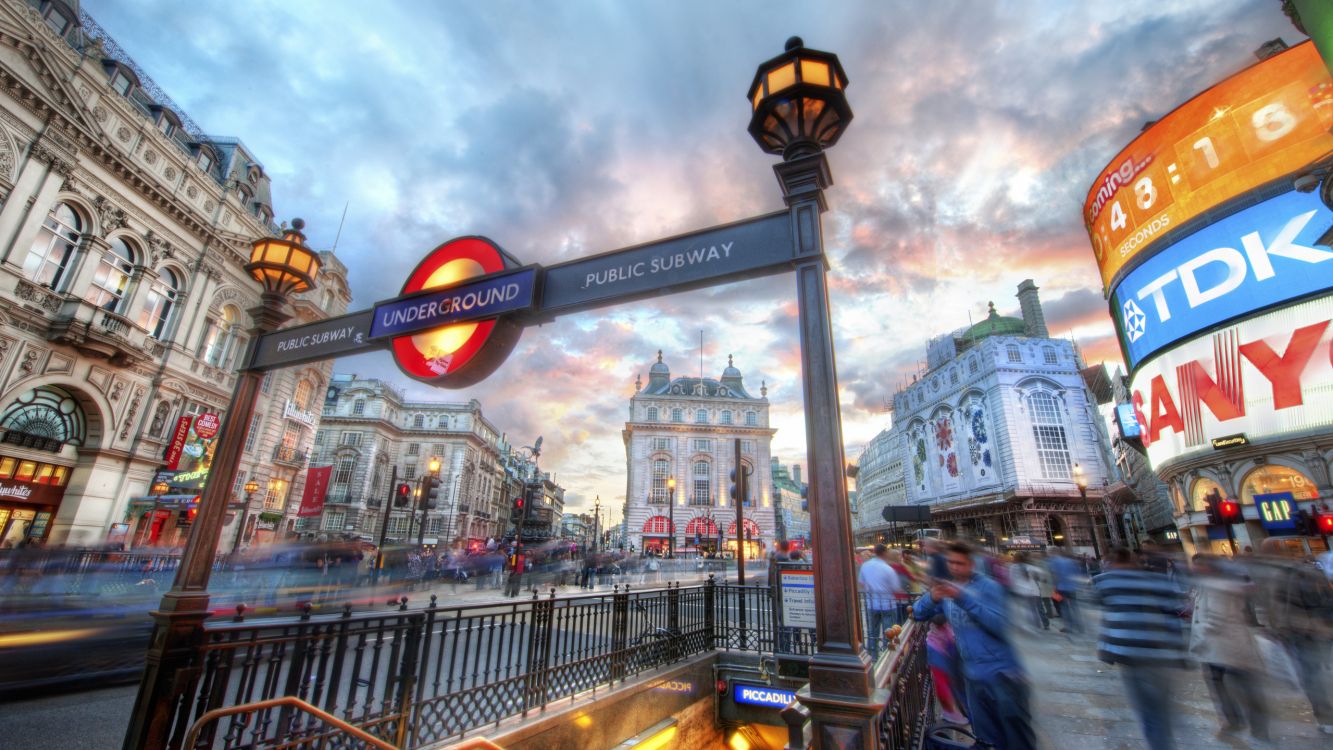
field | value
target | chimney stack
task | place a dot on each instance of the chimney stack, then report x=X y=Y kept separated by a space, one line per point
x=796 y=473
x=1034 y=322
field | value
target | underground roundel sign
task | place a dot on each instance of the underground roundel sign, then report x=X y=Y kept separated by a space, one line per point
x=459 y=354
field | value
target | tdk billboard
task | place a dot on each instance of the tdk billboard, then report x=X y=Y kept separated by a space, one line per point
x=1251 y=260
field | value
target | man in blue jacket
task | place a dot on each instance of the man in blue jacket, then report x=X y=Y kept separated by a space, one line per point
x=997 y=689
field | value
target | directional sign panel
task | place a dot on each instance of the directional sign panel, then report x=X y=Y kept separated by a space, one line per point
x=475 y=300
x=712 y=256
x=326 y=339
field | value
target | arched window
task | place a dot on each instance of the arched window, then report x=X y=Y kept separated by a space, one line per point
x=46 y=413
x=1049 y=431
x=49 y=256
x=652 y=414
x=157 y=308
x=751 y=419
x=1202 y=487
x=112 y=277
x=657 y=526
x=1274 y=478
x=701 y=416
x=726 y=416
x=677 y=415
x=661 y=471
x=702 y=493
x=220 y=337
x=302 y=394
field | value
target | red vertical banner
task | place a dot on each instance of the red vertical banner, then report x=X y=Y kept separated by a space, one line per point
x=316 y=487
x=178 y=438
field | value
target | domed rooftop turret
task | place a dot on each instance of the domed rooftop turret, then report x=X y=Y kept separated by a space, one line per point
x=995 y=325
x=731 y=373
x=659 y=373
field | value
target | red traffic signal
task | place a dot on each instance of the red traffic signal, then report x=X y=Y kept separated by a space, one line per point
x=1324 y=522
x=1228 y=511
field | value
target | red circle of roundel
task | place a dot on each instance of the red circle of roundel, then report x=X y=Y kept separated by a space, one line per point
x=462 y=353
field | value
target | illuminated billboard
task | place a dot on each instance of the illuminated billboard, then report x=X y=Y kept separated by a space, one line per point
x=1249 y=261
x=1267 y=121
x=1263 y=377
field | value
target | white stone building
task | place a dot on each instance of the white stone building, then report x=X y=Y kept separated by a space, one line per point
x=685 y=428
x=124 y=231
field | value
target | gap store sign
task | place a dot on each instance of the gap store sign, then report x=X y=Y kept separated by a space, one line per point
x=1252 y=260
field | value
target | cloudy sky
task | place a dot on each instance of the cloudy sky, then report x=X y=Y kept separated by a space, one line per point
x=565 y=129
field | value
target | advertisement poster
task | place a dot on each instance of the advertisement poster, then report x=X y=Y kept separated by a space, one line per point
x=316 y=487
x=177 y=444
x=196 y=456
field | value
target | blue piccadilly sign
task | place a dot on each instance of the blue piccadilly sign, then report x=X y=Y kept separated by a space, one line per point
x=761 y=695
x=1277 y=511
x=1256 y=258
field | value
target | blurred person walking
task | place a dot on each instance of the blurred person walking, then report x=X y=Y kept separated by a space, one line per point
x=1222 y=640
x=1298 y=611
x=880 y=583
x=996 y=685
x=945 y=672
x=1141 y=632
x=1025 y=582
x=1068 y=574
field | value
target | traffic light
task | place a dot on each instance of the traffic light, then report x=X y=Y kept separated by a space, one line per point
x=740 y=489
x=1211 y=501
x=1229 y=511
x=1324 y=523
x=432 y=492
x=402 y=495
x=517 y=513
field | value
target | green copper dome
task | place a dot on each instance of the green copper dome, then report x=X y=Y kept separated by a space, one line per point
x=995 y=325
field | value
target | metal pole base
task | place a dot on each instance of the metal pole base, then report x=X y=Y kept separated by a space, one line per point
x=844 y=722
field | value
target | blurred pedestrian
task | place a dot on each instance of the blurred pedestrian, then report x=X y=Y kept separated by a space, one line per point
x=906 y=581
x=945 y=671
x=1068 y=575
x=1222 y=640
x=997 y=687
x=881 y=585
x=1141 y=632
x=1025 y=582
x=1298 y=611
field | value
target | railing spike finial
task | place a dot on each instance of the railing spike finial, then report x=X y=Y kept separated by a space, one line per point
x=432 y=601
x=305 y=610
x=402 y=604
x=240 y=613
x=347 y=610
x=552 y=592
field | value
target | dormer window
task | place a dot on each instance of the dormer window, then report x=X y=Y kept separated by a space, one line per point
x=121 y=83
x=204 y=159
x=167 y=122
x=245 y=194
x=120 y=78
x=54 y=14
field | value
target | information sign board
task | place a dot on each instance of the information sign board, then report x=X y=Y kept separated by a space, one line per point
x=798 y=598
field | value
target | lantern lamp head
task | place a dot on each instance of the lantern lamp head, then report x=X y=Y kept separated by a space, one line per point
x=284 y=265
x=798 y=102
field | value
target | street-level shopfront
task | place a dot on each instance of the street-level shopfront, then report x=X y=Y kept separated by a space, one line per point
x=30 y=495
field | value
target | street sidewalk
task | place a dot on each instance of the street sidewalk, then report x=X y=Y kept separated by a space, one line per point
x=1079 y=702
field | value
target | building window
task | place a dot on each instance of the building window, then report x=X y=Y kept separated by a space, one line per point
x=304 y=391
x=359 y=407
x=319 y=438
x=701 y=416
x=1014 y=354
x=703 y=444
x=276 y=499
x=1048 y=355
x=1049 y=431
x=238 y=487
x=410 y=472
x=397 y=526
x=342 y=475
x=205 y=159
x=751 y=419
x=352 y=439
x=726 y=416
x=55 y=19
x=267 y=383
x=677 y=415
x=112 y=277
x=50 y=253
x=1275 y=478
x=747 y=446
x=1201 y=489
x=953 y=377
x=333 y=520
x=652 y=414
x=661 y=471
x=703 y=484
x=253 y=434
x=661 y=444
x=419 y=421
x=220 y=337
x=414 y=449
x=159 y=305
x=657 y=526
x=972 y=365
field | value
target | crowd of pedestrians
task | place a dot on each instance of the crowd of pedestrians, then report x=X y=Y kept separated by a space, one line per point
x=1238 y=623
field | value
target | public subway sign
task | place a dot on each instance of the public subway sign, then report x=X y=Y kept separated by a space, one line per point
x=1264 y=377
x=462 y=309
x=1249 y=261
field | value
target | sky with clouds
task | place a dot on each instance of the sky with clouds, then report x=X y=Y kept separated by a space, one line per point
x=565 y=129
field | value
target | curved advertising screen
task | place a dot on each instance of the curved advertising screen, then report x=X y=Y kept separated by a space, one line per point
x=1268 y=121
x=1251 y=260
x=1266 y=376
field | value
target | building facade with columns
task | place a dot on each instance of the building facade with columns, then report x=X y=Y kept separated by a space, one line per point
x=373 y=436
x=684 y=429
x=994 y=437
x=124 y=231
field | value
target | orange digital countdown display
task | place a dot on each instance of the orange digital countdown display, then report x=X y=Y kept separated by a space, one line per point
x=1265 y=122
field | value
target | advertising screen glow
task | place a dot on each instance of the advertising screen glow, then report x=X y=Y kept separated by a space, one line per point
x=1249 y=261
x=1265 y=122
x=1263 y=377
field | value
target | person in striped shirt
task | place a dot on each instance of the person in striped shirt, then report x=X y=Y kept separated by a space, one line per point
x=1141 y=631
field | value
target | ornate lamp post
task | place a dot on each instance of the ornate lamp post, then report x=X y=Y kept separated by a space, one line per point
x=283 y=266
x=1081 y=480
x=596 y=523
x=671 y=518
x=251 y=487
x=799 y=109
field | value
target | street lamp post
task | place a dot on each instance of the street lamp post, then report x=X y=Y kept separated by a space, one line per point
x=1081 y=480
x=800 y=109
x=283 y=266
x=251 y=487
x=671 y=518
x=427 y=485
x=596 y=523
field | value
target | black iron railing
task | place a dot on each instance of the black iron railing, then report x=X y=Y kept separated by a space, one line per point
x=911 y=707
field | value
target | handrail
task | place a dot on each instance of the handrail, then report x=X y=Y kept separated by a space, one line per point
x=476 y=743
x=286 y=700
